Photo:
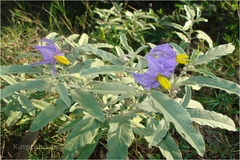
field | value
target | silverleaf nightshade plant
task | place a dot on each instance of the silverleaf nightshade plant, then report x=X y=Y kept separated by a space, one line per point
x=162 y=60
x=51 y=55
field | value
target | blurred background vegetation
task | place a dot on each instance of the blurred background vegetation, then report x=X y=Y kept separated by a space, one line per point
x=24 y=23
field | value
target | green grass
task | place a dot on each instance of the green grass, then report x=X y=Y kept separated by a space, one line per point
x=26 y=28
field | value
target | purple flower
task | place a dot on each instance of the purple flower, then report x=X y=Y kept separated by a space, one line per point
x=162 y=61
x=51 y=55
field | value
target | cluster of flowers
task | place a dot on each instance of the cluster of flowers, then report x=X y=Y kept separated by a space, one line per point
x=162 y=61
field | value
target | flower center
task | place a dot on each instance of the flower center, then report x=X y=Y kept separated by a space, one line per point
x=62 y=59
x=182 y=58
x=164 y=82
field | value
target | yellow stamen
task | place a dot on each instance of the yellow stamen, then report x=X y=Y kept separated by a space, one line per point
x=62 y=59
x=182 y=58
x=164 y=82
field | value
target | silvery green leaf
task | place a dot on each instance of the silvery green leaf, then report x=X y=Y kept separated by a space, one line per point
x=68 y=125
x=13 y=118
x=187 y=25
x=159 y=133
x=80 y=66
x=184 y=44
x=151 y=45
x=13 y=111
x=103 y=70
x=114 y=88
x=123 y=40
x=25 y=85
x=106 y=56
x=89 y=148
x=83 y=133
x=29 y=54
x=9 y=79
x=182 y=36
x=198 y=13
x=40 y=104
x=175 y=25
x=20 y=69
x=191 y=104
x=202 y=19
x=83 y=39
x=50 y=36
x=169 y=148
x=72 y=37
x=26 y=104
x=140 y=129
x=63 y=92
x=140 y=49
x=88 y=103
x=202 y=71
x=204 y=36
x=177 y=48
x=119 y=51
x=176 y=114
x=187 y=97
x=214 y=53
x=146 y=106
x=215 y=82
x=119 y=137
x=212 y=119
x=129 y=14
x=190 y=12
x=48 y=115
x=102 y=45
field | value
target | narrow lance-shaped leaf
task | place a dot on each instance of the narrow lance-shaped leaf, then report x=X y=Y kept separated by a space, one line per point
x=83 y=40
x=13 y=112
x=79 y=66
x=62 y=91
x=214 y=53
x=159 y=133
x=140 y=129
x=114 y=88
x=123 y=40
x=177 y=48
x=20 y=69
x=40 y=104
x=140 y=49
x=202 y=71
x=103 y=70
x=13 y=118
x=169 y=148
x=189 y=11
x=215 y=82
x=68 y=125
x=83 y=131
x=37 y=85
x=204 y=36
x=212 y=119
x=29 y=54
x=9 y=79
x=106 y=56
x=27 y=105
x=119 y=137
x=186 y=97
x=191 y=104
x=88 y=149
x=88 y=102
x=47 y=115
x=174 y=113
x=151 y=126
